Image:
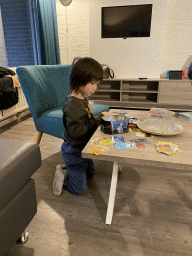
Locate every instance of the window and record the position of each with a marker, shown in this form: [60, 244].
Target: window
[18, 32]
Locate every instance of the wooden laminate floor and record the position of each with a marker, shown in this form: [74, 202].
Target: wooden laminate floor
[152, 216]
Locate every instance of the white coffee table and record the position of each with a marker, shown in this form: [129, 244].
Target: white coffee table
[180, 162]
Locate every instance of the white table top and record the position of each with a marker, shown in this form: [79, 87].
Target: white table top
[148, 156]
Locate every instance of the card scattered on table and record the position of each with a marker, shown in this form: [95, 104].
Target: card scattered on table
[103, 140]
[125, 145]
[141, 141]
[97, 150]
[118, 139]
[167, 148]
[140, 133]
[140, 146]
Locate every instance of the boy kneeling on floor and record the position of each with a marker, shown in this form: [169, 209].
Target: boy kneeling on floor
[80, 124]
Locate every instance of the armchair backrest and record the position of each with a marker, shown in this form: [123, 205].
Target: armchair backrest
[45, 86]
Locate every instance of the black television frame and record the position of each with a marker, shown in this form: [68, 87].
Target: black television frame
[128, 33]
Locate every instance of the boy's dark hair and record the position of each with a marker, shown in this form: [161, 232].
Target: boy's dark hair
[83, 71]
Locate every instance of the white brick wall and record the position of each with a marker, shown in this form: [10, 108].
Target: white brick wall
[177, 35]
[75, 18]
[177, 39]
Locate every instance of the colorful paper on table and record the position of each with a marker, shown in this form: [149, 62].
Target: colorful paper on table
[140, 133]
[160, 112]
[186, 116]
[164, 148]
[167, 148]
[97, 150]
[133, 120]
[94, 141]
[106, 142]
[140, 146]
[118, 139]
[103, 140]
[141, 141]
[133, 127]
[124, 145]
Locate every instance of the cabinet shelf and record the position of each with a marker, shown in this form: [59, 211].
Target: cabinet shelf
[146, 93]
[107, 90]
[106, 100]
[139, 91]
[139, 100]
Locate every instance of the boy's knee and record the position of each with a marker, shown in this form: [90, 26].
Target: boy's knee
[76, 190]
[80, 191]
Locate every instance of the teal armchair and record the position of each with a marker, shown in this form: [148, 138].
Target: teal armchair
[45, 88]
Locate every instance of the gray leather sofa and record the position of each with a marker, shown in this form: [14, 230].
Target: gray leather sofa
[19, 160]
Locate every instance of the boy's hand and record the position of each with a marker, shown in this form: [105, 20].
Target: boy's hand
[105, 113]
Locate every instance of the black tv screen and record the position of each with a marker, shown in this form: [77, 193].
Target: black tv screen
[126, 21]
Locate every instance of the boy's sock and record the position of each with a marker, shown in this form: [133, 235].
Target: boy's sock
[60, 175]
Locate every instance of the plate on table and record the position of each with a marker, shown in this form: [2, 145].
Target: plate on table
[143, 125]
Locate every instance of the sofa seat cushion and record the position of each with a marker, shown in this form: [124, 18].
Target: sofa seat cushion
[51, 122]
[19, 161]
[16, 216]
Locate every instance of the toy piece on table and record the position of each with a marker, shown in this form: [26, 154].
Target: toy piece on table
[167, 148]
[97, 150]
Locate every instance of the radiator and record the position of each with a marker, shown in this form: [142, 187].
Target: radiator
[15, 112]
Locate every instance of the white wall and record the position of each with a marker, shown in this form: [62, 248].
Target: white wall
[3, 55]
[131, 57]
[176, 37]
[73, 28]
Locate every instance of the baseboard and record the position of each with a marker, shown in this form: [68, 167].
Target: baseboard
[15, 117]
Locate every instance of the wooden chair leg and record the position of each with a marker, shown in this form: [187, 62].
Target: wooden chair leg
[39, 136]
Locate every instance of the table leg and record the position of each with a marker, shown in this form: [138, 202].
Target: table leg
[111, 202]
[120, 167]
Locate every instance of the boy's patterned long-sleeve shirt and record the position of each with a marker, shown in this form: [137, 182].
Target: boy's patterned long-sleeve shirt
[79, 122]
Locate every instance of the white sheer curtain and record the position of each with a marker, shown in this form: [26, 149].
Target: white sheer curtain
[3, 55]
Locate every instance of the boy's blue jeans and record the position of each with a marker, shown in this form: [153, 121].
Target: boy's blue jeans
[79, 169]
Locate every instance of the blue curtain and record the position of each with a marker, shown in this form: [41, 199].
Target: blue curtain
[45, 18]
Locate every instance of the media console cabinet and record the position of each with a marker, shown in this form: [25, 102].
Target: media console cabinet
[145, 94]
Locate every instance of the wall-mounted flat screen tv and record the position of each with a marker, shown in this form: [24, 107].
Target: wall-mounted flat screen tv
[126, 21]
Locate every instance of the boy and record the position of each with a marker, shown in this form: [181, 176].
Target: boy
[80, 124]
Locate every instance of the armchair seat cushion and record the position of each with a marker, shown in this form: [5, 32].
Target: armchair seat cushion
[51, 121]
[46, 88]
